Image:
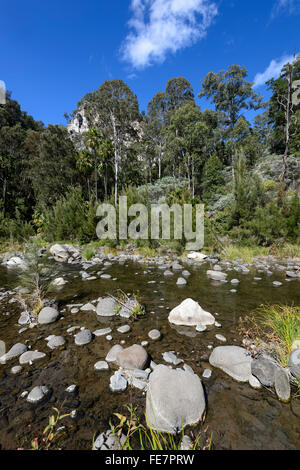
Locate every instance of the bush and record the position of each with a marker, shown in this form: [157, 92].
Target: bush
[71, 218]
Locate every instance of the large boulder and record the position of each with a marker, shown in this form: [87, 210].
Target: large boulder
[189, 313]
[134, 357]
[175, 399]
[233, 360]
[48, 315]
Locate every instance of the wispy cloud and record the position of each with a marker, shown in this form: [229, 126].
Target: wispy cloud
[272, 71]
[285, 6]
[159, 27]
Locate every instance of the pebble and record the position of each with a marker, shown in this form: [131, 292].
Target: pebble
[124, 329]
[101, 365]
[83, 337]
[154, 334]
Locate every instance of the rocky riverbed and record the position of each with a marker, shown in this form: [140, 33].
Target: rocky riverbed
[88, 357]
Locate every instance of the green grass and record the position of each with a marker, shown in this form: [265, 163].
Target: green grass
[144, 438]
[282, 323]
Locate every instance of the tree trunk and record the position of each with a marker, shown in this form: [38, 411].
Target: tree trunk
[287, 130]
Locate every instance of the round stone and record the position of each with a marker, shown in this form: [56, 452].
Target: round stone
[83, 337]
[154, 334]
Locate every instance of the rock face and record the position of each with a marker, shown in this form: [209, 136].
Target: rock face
[294, 363]
[134, 357]
[48, 315]
[175, 399]
[189, 313]
[105, 307]
[233, 360]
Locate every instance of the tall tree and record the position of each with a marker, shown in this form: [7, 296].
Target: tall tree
[284, 105]
[231, 92]
[114, 110]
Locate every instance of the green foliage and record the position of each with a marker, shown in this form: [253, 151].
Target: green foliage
[213, 177]
[71, 218]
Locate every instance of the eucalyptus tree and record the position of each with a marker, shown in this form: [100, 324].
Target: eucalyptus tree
[113, 109]
[284, 109]
[230, 92]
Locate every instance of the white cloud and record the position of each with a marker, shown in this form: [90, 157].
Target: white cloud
[287, 6]
[273, 71]
[159, 27]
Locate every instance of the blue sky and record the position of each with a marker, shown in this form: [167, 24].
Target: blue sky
[52, 53]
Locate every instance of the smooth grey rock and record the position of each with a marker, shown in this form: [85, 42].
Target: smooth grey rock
[2, 348]
[277, 283]
[56, 342]
[221, 338]
[124, 329]
[48, 315]
[264, 370]
[181, 281]
[106, 307]
[102, 332]
[216, 275]
[105, 276]
[254, 382]
[58, 282]
[168, 273]
[154, 334]
[294, 363]
[15, 351]
[88, 307]
[113, 353]
[17, 263]
[233, 360]
[37, 394]
[201, 328]
[118, 383]
[282, 385]
[207, 374]
[186, 273]
[24, 318]
[174, 399]
[234, 281]
[16, 370]
[101, 365]
[134, 357]
[83, 337]
[109, 441]
[31, 356]
[71, 389]
[189, 313]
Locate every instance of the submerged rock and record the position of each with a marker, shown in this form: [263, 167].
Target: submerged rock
[83, 337]
[118, 383]
[31, 356]
[175, 399]
[189, 313]
[216, 275]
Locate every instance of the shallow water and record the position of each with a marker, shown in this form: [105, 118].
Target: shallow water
[238, 417]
